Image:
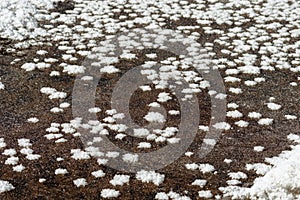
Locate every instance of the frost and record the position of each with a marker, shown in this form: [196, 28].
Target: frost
[61, 171]
[232, 105]
[42, 180]
[155, 117]
[28, 66]
[205, 168]
[226, 160]
[119, 180]
[2, 86]
[64, 105]
[150, 176]
[56, 110]
[5, 186]
[221, 96]
[141, 132]
[161, 196]
[109, 193]
[11, 160]
[9, 152]
[79, 154]
[33, 120]
[259, 168]
[234, 114]
[94, 110]
[241, 123]
[237, 175]
[273, 106]
[254, 115]
[33, 156]
[144, 145]
[18, 168]
[130, 158]
[209, 141]
[98, 174]
[192, 166]
[163, 97]
[80, 182]
[258, 148]
[189, 154]
[203, 128]
[112, 154]
[290, 117]
[205, 194]
[52, 136]
[74, 69]
[222, 126]
[265, 121]
[174, 112]
[235, 90]
[109, 69]
[200, 182]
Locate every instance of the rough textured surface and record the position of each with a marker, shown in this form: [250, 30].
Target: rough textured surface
[21, 99]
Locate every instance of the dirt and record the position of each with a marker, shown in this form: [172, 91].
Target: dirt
[22, 100]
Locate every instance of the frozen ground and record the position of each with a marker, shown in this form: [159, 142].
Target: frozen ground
[46, 45]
